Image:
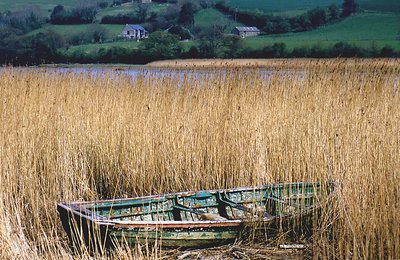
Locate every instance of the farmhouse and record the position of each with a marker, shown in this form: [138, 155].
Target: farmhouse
[134, 32]
[246, 31]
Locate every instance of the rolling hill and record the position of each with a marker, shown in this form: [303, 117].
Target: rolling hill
[277, 6]
[208, 16]
[364, 30]
[46, 5]
[282, 6]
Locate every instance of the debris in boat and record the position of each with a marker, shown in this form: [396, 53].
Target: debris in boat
[209, 216]
[293, 246]
[187, 254]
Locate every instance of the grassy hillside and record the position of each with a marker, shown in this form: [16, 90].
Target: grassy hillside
[128, 9]
[381, 5]
[93, 48]
[43, 4]
[273, 6]
[207, 17]
[48, 5]
[114, 11]
[363, 30]
[68, 30]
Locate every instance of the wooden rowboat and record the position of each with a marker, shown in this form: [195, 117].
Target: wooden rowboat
[188, 219]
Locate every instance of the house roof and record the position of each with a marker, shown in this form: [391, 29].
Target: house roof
[136, 27]
[247, 29]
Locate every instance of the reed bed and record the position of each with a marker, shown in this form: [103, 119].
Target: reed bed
[67, 136]
[276, 64]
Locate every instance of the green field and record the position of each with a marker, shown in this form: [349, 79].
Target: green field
[68, 30]
[114, 11]
[94, 48]
[210, 16]
[363, 30]
[380, 5]
[274, 6]
[124, 9]
[46, 5]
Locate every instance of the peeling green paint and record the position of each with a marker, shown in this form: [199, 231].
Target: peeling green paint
[192, 219]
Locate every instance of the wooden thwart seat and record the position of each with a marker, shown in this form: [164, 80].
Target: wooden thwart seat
[255, 211]
[222, 203]
[203, 215]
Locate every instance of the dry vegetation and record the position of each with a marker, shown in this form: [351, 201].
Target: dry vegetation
[276, 64]
[73, 137]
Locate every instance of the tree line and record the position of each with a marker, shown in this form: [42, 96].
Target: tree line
[83, 13]
[275, 24]
[46, 48]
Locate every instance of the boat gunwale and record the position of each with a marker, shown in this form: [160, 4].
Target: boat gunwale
[191, 193]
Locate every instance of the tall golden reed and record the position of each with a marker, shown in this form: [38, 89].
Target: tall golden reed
[69, 136]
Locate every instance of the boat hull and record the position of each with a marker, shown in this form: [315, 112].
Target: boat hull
[172, 237]
[103, 224]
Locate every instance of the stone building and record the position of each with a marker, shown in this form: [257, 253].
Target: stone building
[134, 32]
[246, 31]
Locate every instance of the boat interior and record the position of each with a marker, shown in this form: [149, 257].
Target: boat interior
[206, 205]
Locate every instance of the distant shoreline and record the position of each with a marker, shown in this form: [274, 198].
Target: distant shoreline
[263, 63]
[215, 63]
[91, 65]
[292, 63]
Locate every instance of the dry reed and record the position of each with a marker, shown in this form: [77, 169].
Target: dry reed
[68, 136]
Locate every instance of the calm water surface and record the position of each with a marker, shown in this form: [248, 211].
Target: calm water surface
[135, 72]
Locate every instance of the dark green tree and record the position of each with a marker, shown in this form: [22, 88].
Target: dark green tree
[333, 13]
[186, 15]
[97, 33]
[207, 48]
[210, 37]
[317, 16]
[281, 25]
[349, 7]
[78, 15]
[83, 14]
[183, 33]
[387, 51]
[44, 46]
[141, 12]
[25, 20]
[230, 47]
[58, 14]
[161, 45]
[277, 50]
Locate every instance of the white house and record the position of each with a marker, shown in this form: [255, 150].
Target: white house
[246, 31]
[134, 32]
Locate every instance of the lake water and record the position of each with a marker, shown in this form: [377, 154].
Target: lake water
[263, 75]
[260, 74]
